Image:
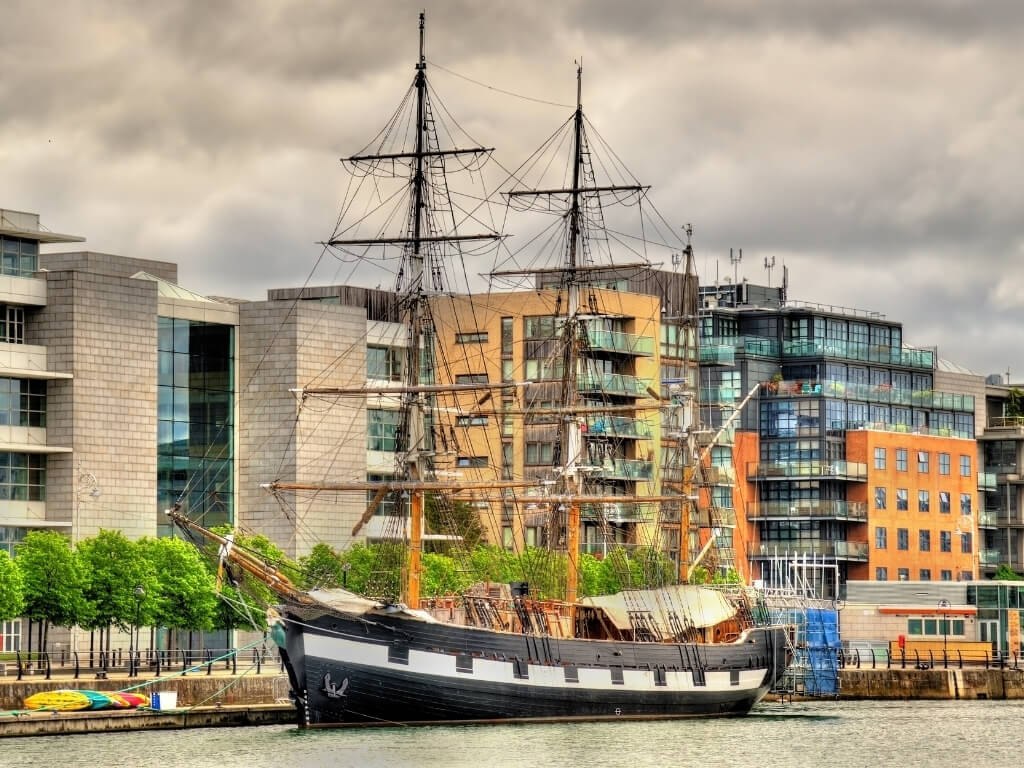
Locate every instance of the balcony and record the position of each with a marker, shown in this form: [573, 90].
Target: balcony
[601, 340]
[872, 393]
[758, 346]
[906, 357]
[835, 470]
[840, 550]
[986, 481]
[612, 384]
[717, 354]
[989, 557]
[1014, 423]
[988, 520]
[614, 426]
[719, 395]
[625, 469]
[809, 509]
[619, 512]
[719, 475]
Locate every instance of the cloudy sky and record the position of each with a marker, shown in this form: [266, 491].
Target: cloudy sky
[873, 147]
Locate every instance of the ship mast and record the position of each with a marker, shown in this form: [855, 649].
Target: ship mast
[416, 468]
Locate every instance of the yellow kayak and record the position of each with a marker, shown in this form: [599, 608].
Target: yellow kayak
[61, 701]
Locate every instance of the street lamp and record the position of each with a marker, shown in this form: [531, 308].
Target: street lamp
[139, 594]
[944, 620]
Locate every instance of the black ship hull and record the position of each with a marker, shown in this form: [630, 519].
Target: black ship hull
[396, 669]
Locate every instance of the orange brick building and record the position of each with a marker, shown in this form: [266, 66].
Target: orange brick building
[921, 495]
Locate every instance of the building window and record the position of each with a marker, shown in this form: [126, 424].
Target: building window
[965, 503]
[943, 463]
[879, 498]
[965, 466]
[10, 636]
[922, 462]
[471, 378]
[925, 574]
[902, 499]
[902, 539]
[10, 538]
[472, 462]
[945, 541]
[507, 540]
[12, 324]
[20, 256]
[506, 338]
[944, 502]
[901, 459]
[22, 476]
[915, 626]
[881, 574]
[195, 419]
[880, 537]
[945, 575]
[470, 421]
[923, 501]
[539, 453]
[507, 460]
[903, 574]
[472, 337]
[879, 458]
[924, 541]
[23, 402]
[384, 363]
[382, 428]
[965, 543]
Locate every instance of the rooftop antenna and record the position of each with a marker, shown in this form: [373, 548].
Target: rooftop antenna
[769, 262]
[735, 261]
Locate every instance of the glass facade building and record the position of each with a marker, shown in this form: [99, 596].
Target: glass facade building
[195, 412]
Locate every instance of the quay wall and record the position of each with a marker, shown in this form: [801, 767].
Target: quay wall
[191, 689]
[931, 683]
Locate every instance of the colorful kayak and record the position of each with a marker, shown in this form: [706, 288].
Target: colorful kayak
[133, 699]
[60, 701]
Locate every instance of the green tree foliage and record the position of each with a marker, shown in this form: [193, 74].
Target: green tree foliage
[247, 595]
[1006, 573]
[12, 601]
[52, 579]
[321, 568]
[441, 576]
[183, 596]
[1015, 403]
[114, 567]
[453, 518]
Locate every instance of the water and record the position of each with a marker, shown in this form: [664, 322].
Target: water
[829, 734]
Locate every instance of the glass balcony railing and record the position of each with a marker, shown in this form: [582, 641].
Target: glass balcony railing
[1005, 422]
[615, 426]
[848, 350]
[625, 469]
[719, 475]
[986, 481]
[719, 394]
[619, 512]
[612, 384]
[989, 557]
[841, 550]
[809, 508]
[840, 470]
[988, 519]
[872, 393]
[749, 345]
[625, 343]
[882, 426]
[720, 354]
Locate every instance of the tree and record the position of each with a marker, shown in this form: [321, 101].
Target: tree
[12, 601]
[114, 566]
[52, 581]
[441, 576]
[321, 568]
[1006, 573]
[184, 597]
[453, 518]
[1015, 403]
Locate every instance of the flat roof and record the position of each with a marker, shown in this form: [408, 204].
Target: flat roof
[40, 235]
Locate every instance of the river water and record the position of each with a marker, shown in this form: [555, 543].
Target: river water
[829, 734]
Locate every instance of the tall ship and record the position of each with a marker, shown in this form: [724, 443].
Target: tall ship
[655, 646]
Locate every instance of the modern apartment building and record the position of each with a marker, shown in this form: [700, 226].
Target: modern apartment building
[1002, 450]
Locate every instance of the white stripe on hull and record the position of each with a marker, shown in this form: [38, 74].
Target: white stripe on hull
[540, 676]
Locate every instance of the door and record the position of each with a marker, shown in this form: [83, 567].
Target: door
[988, 631]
